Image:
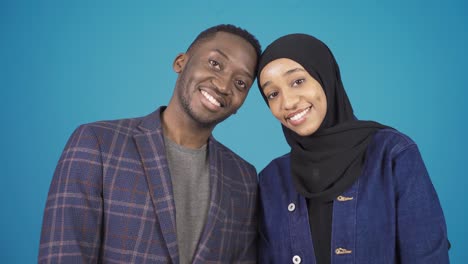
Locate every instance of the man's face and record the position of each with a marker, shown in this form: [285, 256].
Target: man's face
[215, 77]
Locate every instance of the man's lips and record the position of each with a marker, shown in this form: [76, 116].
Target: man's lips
[213, 98]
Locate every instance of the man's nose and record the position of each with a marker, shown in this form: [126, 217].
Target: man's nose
[223, 83]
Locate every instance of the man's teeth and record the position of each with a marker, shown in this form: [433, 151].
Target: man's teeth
[210, 98]
[299, 115]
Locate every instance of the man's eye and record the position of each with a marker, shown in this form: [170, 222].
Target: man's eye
[215, 64]
[272, 95]
[241, 84]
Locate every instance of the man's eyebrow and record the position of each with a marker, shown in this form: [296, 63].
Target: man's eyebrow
[227, 58]
[222, 53]
[284, 74]
[248, 74]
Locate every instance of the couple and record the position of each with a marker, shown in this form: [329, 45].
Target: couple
[161, 189]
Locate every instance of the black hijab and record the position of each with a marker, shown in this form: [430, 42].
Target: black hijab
[326, 163]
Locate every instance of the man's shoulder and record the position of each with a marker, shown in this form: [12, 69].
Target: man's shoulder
[104, 134]
[229, 155]
[124, 127]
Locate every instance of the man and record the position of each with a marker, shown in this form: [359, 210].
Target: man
[160, 188]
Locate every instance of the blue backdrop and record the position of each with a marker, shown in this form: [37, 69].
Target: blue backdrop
[64, 63]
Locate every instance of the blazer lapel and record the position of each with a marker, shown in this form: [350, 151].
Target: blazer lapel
[150, 144]
[220, 202]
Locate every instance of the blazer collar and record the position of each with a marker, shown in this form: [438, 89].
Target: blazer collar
[151, 123]
[220, 205]
[149, 140]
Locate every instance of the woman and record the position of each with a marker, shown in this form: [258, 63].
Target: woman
[349, 191]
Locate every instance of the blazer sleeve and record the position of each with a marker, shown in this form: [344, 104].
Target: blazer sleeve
[264, 250]
[249, 252]
[421, 228]
[71, 229]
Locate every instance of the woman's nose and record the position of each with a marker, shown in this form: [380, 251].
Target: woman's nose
[290, 100]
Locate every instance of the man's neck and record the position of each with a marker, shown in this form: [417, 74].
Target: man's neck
[182, 130]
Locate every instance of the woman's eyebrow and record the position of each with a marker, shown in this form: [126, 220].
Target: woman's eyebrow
[264, 85]
[292, 71]
[284, 74]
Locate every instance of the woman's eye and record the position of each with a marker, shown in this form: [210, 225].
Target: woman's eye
[215, 64]
[298, 82]
[272, 95]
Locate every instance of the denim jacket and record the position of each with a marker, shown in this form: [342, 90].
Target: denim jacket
[391, 214]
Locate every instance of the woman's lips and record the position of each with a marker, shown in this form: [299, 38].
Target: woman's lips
[298, 117]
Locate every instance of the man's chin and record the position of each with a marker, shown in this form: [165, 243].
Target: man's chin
[209, 122]
[205, 119]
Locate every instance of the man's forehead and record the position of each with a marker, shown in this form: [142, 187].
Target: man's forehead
[230, 46]
[224, 39]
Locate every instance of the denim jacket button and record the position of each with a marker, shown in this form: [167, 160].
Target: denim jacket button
[344, 198]
[296, 259]
[291, 207]
[342, 251]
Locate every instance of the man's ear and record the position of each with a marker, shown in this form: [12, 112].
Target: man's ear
[179, 62]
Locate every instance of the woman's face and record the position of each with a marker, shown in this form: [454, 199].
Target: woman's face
[295, 98]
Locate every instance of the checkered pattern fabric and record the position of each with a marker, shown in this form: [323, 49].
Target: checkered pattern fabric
[111, 200]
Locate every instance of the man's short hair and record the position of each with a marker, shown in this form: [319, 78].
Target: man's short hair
[210, 32]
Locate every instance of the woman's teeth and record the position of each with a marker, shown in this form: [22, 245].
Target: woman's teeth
[300, 114]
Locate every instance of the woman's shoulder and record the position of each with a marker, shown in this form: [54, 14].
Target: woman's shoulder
[391, 140]
[393, 133]
[278, 161]
[393, 136]
[276, 167]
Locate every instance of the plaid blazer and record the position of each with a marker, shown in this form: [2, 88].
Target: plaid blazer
[111, 200]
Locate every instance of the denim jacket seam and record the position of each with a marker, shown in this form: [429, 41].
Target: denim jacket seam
[401, 150]
[358, 183]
